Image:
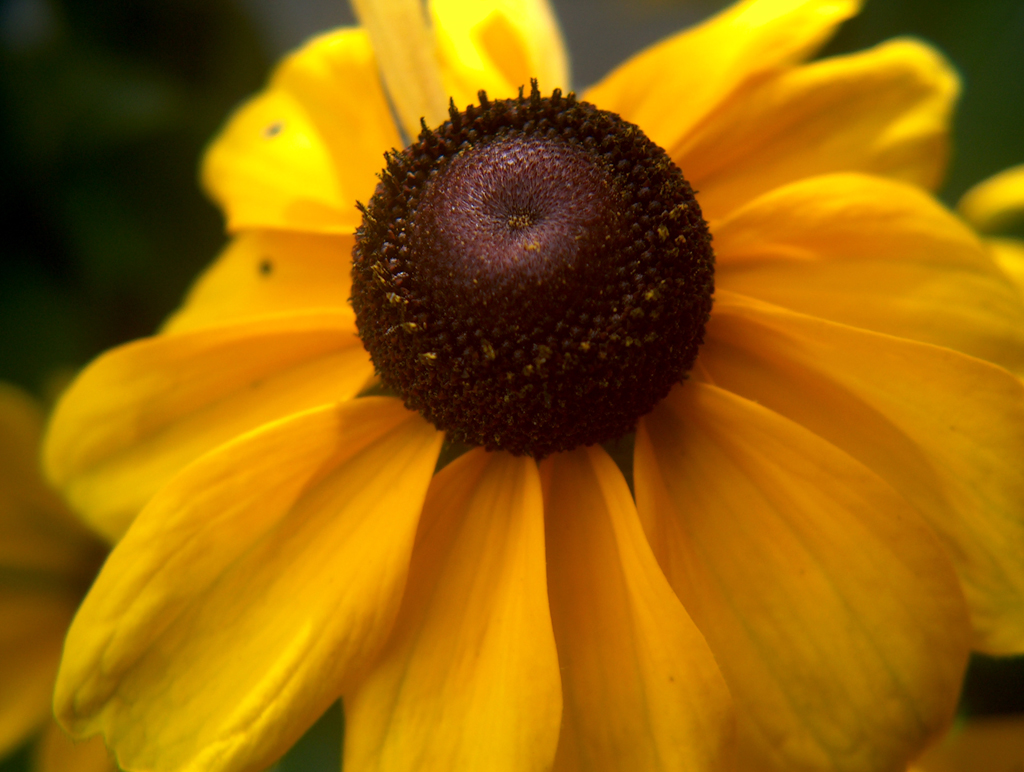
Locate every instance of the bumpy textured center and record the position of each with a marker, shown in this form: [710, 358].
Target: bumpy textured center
[533, 275]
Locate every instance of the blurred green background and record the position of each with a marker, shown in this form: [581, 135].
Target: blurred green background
[106, 105]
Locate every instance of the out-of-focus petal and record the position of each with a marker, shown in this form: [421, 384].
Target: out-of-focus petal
[269, 272]
[56, 752]
[247, 592]
[883, 111]
[994, 203]
[944, 429]
[988, 743]
[641, 690]
[877, 254]
[38, 536]
[498, 46]
[469, 679]
[300, 154]
[141, 412]
[31, 634]
[671, 87]
[833, 611]
[1009, 255]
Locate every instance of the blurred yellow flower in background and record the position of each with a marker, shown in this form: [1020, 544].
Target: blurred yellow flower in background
[47, 560]
[827, 516]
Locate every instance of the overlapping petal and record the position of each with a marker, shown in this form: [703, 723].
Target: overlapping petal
[883, 111]
[1009, 255]
[141, 412]
[300, 154]
[641, 690]
[945, 430]
[834, 612]
[249, 590]
[264, 272]
[498, 46]
[997, 202]
[877, 254]
[671, 87]
[469, 679]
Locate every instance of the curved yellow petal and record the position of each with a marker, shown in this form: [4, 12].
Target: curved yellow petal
[247, 592]
[269, 272]
[883, 111]
[995, 203]
[832, 609]
[31, 635]
[469, 679]
[142, 411]
[56, 752]
[301, 153]
[641, 690]
[943, 429]
[498, 46]
[877, 254]
[39, 538]
[1009, 256]
[669, 88]
[989, 743]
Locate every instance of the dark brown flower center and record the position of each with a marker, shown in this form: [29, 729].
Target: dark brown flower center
[532, 276]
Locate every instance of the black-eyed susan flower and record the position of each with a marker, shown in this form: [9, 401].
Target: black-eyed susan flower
[47, 560]
[827, 513]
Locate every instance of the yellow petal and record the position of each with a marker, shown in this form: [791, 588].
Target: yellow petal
[832, 609]
[989, 743]
[498, 46]
[269, 272]
[39, 539]
[141, 412]
[877, 254]
[247, 592]
[945, 430]
[669, 89]
[1009, 256]
[56, 752]
[640, 687]
[469, 679]
[408, 59]
[883, 111]
[31, 635]
[996, 202]
[300, 154]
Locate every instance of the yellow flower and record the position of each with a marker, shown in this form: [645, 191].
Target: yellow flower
[46, 563]
[827, 515]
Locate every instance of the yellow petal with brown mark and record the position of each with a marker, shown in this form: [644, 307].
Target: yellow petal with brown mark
[264, 272]
[302, 152]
